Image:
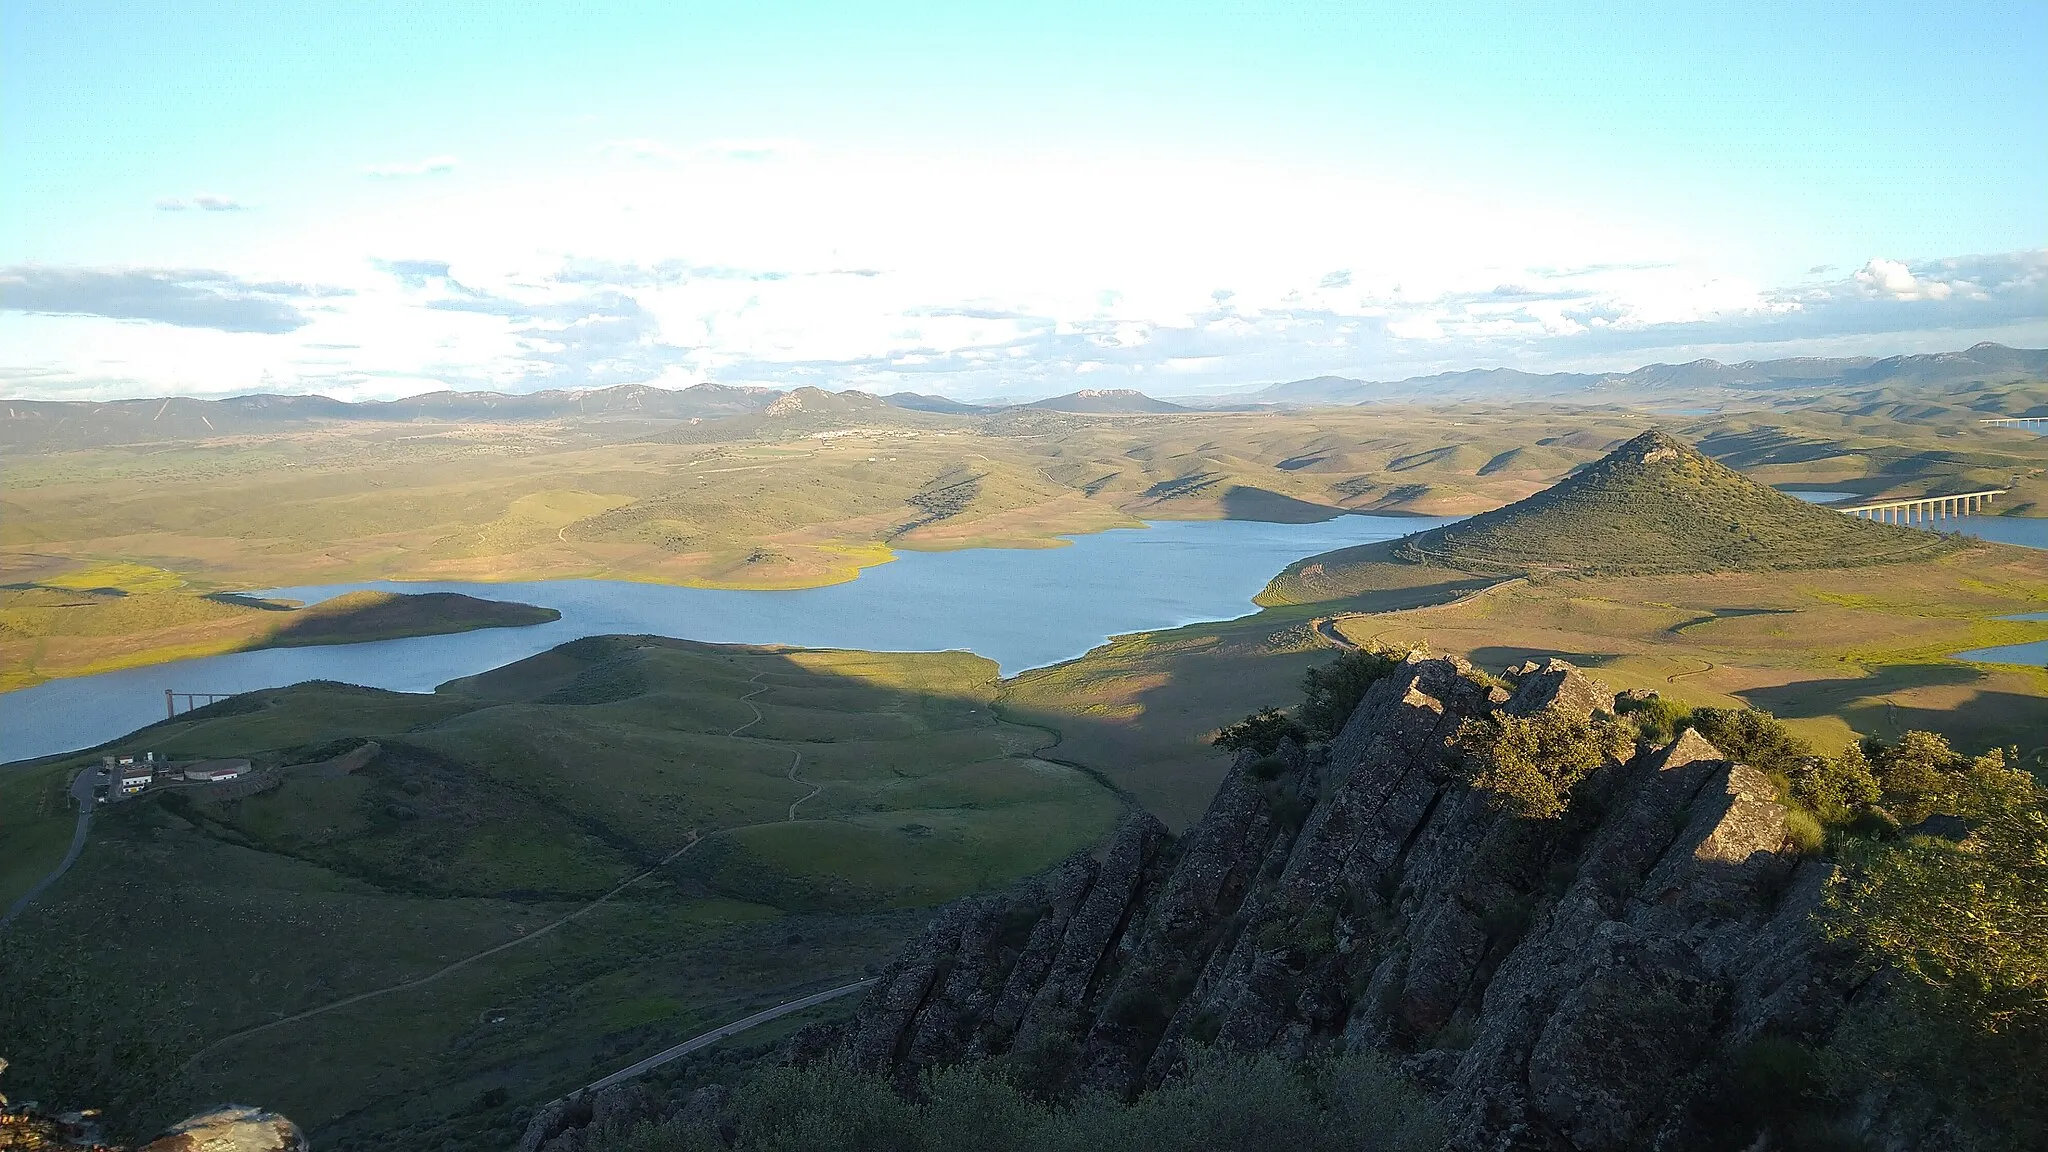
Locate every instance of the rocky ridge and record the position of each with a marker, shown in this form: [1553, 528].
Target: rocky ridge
[1567, 984]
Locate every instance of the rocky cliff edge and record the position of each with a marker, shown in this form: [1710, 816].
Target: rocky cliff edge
[1570, 984]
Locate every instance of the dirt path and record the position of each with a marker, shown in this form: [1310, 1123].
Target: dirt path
[1705, 667]
[796, 758]
[695, 839]
[1326, 626]
[796, 761]
[748, 700]
[465, 962]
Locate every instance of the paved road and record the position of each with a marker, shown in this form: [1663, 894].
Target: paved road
[81, 791]
[724, 1030]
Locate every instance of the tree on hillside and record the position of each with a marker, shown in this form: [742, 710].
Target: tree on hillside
[1967, 919]
[1754, 737]
[1261, 732]
[1965, 923]
[1528, 765]
[1330, 694]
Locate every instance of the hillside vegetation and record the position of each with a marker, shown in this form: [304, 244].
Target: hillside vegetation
[1658, 505]
[786, 811]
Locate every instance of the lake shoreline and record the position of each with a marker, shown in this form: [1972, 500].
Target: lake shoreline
[1021, 608]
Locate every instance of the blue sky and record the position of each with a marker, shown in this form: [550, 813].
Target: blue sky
[366, 199]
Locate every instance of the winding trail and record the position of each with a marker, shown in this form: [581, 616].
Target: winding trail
[796, 761]
[1706, 666]
[796, 758]
[748, 700]
[465, 962]
[81, 791]
[85, 814]
[1326, 627]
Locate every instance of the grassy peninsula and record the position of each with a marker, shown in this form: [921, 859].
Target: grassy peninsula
[104, 617]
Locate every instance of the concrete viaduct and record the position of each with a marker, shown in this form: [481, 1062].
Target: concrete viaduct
[2040, 422]
[1923, 510]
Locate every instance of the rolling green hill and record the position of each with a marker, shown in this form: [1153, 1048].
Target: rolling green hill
[786, 813]
[1657, 505]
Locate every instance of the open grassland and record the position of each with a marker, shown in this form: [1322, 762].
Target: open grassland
[806, 804]
[808, 495]
[1836, 653]
[77, 621]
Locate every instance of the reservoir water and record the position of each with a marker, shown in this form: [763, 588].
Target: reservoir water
[1022, 608]
[2035, 653]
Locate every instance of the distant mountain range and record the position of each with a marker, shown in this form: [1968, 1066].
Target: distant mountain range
[77, 423]
[1118, 401]
[1989, 363]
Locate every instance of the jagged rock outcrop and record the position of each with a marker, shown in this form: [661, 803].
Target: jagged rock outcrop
[1570, 984]
[233, 1128]
[586, 1120]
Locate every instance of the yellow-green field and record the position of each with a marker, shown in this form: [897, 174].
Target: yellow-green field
[1835, 653]
[808, 498]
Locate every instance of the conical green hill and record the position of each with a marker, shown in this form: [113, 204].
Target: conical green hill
[1656, 505]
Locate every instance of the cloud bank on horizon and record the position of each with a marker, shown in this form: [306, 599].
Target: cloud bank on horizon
[588, 223]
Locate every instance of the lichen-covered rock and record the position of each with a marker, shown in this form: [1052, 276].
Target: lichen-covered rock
[1568, 983]
[231, 1128]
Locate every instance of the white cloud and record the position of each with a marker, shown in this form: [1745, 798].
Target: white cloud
[1888, 277]
[430, 166]
[968, 274]
[205, 202]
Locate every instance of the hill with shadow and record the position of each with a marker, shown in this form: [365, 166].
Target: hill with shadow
[1657, 505]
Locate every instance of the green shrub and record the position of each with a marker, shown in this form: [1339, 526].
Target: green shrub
[1657, 719]
[1268, 767]
[1753, 737]
[1260, 732]
[822, 1108]
[1806, 831]
[1528, 765]
[1964, 920]
[1922, 775]
[1839, 789]
[1330, 694]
